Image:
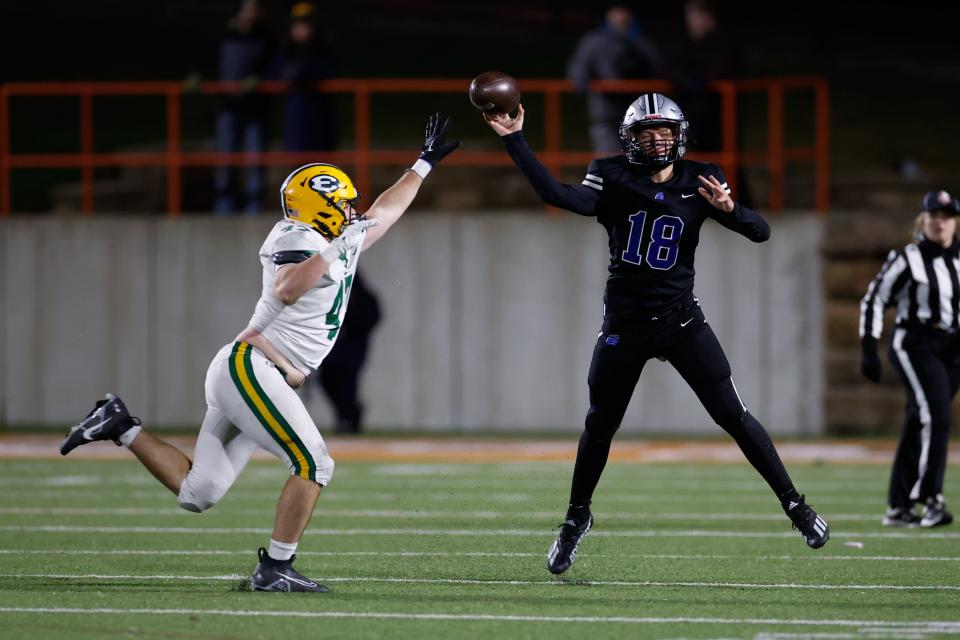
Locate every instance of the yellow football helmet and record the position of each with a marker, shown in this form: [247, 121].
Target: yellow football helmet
[316, 194]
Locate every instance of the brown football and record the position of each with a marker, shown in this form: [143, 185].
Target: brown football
[494, 92]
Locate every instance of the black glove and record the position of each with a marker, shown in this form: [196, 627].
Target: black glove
[434, 148]
[869, 360]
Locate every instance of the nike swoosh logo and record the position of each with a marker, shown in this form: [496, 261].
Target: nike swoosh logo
[683, 324]
[687, 195]
[305, 583]
[90, 432]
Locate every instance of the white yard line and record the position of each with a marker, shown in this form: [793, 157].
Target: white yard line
[462, 581]
[928, 626]
[472, 554]
[415, 514]
[917, 534]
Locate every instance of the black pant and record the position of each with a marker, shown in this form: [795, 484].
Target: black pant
[928, 362]
[684, 339]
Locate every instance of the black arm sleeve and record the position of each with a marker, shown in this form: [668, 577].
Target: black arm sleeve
[744, 221]
[290, 257]
[575, 198]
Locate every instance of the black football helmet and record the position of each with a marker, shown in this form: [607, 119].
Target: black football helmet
[654, 110]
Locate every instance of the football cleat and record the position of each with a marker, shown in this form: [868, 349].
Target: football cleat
[812, 527]
[564, 549]
[279, 575]
[900, 517]
[108, 421]
[935, 513]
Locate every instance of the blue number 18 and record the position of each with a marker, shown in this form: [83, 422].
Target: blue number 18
[663, 249]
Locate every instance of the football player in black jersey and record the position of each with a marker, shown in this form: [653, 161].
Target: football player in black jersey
[652, 205]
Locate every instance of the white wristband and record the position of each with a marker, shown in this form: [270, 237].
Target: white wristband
[421, 167]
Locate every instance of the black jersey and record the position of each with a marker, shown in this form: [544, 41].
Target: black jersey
[653, 228]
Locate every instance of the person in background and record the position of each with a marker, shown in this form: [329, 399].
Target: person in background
[707, 53]
[921, 281]
[340, 372]
[246, 48]
[304, 59]
[617, 50]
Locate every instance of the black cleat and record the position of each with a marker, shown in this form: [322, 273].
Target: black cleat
[900, 517]
[564, 549]
[279, 575]
[108, 421]
[812, 527]
[935, 513]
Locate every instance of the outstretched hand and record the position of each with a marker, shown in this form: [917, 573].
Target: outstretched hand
[435, 147]
[716, 194]
[503, 123]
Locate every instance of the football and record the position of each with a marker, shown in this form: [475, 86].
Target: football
[494, 92]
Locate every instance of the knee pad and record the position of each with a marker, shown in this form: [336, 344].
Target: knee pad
[600, 424]
[724, 405]
[197, 494]
[319, 467]
[325, 467]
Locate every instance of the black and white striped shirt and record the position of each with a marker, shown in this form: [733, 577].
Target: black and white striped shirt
[921, 281]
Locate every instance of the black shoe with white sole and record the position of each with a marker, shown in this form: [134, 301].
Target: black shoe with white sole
[564, 549]
[812, 527]
[108, 421]
[935, 513]
[279, 575]
[900, 517]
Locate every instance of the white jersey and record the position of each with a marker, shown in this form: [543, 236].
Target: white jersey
[304, 331]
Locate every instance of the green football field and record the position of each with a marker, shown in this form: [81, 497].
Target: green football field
[97, 549]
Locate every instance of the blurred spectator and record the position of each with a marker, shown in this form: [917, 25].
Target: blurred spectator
[245, 51]
[340, 371]
[707, 53]
[303, 59]
[617, 50]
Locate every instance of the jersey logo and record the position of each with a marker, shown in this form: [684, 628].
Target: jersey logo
[613, 340]
[659, 196]
[324, 183]
[687, 195]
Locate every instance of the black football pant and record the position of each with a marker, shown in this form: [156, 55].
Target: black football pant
[929, 366]
[685, 340]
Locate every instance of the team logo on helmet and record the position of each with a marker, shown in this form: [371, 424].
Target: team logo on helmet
[324, 183]
[944, 198]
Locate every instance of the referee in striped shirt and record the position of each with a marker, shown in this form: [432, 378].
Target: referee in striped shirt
[921, 281]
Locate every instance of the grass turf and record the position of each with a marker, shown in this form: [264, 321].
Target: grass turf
[458, 550]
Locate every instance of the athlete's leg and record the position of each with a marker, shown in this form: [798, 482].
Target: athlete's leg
[267, 411]
[698, 357]
[614, 371]
[221, 454]
[168, 464]
[294, 508]
[700, 360]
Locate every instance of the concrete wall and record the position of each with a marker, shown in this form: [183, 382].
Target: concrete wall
[490, 320]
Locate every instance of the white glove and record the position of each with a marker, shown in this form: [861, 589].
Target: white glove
[347, 240]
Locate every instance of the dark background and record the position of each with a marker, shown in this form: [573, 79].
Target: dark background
[894, 70]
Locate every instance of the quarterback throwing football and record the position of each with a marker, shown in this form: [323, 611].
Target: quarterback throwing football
[309, 260]
[652, 205]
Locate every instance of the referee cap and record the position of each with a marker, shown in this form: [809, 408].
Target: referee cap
[940, 201]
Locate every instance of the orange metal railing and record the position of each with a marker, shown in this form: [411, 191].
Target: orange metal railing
[363, 156]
